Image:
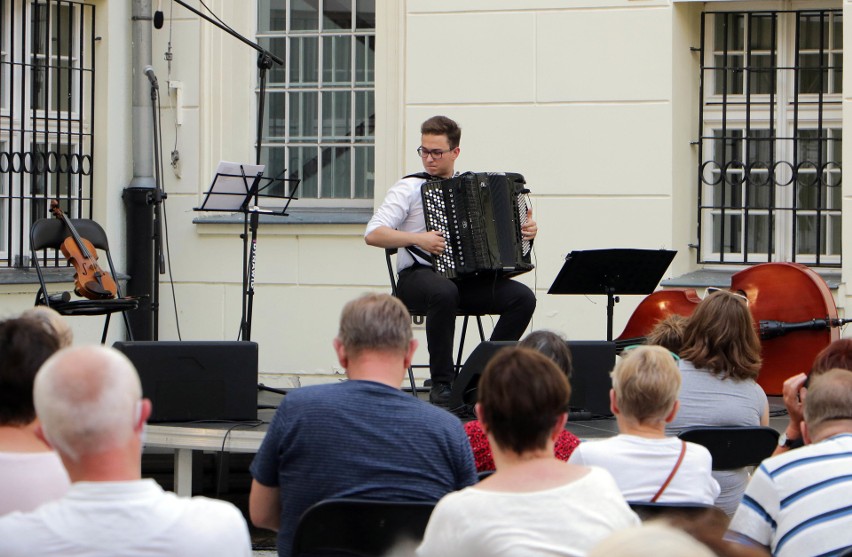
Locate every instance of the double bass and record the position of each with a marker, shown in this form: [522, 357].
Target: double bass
[792, 308]
[90, 281]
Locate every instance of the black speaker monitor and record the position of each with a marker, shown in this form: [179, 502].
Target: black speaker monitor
[590, 383]
[196, 380]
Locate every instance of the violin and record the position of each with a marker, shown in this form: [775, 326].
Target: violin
[90, 281]
[792, 308]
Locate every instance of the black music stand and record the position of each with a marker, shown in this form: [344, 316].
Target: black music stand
[230, 191]
[611, 272]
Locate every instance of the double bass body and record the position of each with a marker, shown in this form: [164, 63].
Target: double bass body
[778, 294]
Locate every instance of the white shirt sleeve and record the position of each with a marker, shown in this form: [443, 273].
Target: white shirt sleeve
[394, 210]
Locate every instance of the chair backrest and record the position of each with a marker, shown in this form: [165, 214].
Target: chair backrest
[360, 527]
[690, 511]
[391, 267]
[50, 233]
[734, 447]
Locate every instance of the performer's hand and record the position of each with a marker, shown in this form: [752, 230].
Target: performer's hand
[432, 241]
[530, 228]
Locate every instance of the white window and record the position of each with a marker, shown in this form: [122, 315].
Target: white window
[46, 102]
[770, 151]
[320, 108]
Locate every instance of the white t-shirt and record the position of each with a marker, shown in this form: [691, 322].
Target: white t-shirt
[29, 479]
[640, 466]
[564, 521]
[131, 519]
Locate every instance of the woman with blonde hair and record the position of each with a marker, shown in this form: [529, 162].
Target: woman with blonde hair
[719, 365]
[647, 465]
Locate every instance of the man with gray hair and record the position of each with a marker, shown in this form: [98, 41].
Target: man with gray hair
[798, 503]
[91, 411]
[360, 438]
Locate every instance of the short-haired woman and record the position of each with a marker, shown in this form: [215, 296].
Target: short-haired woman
[533, 503]
[556, 348]
[647, 465]
[30, 472]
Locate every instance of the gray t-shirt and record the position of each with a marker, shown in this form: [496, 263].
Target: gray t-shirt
[708, 400]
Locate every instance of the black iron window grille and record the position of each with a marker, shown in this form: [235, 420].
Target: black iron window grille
[47, 76]
[320, 118]
[770, 117]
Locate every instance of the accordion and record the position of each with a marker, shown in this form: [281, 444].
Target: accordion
[481, 215]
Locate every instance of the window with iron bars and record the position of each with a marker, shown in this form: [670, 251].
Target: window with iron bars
[771, 134]
[319, 123]
[47, 78]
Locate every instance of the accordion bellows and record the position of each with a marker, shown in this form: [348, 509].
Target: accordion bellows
[481, 215]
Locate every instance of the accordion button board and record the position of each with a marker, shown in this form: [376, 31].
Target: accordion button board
[480, 216]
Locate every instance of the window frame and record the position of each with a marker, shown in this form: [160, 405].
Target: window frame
[290, 92]
[783, 112]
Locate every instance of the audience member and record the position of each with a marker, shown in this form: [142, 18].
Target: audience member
[655, 538]
[89, 404]
[647, 465]
[360, 438]
[533, 503]
[556, 348]
[721, 359]
[54, 322]
[668, 333]
[838, 355]
[798, 503]
[30, 472]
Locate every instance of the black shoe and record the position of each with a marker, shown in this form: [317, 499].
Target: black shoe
[439, 394]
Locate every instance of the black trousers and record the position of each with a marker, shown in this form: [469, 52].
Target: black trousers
[424, 291]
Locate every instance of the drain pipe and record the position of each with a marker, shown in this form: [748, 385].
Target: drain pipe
[139, 195]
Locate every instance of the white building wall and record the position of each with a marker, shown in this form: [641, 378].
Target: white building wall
[594, 101]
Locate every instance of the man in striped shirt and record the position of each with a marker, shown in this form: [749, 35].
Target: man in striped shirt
[798, 502]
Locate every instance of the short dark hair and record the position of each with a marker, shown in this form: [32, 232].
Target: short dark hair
[553, 346]
[441, 125]
[25, 344]
[521, 395]
[838, 354]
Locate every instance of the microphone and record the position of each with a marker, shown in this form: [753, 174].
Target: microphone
[149, 71]
[158, 16]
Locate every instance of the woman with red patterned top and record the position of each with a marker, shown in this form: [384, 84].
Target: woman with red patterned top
[556, 348]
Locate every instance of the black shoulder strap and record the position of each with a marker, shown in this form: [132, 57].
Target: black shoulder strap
[422, 175]
[415, 251]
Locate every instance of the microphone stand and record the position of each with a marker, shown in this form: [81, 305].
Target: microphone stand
[265, 61]
[157, 200]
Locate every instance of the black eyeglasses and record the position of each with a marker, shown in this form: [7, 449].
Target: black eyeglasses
[436, 153]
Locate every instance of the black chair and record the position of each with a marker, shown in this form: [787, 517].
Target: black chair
[734, 447]
[49, 234]
[418, 314]
[688, 511]
[359, 527]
